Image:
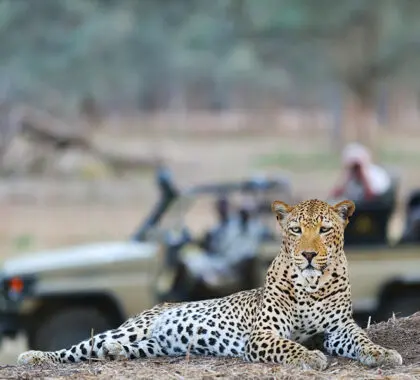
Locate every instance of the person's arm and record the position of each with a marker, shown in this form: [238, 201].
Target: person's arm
[339, 189]
[368, 191]
[337, 192]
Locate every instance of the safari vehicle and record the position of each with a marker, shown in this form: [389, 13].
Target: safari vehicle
[170, 258]
[57, 297]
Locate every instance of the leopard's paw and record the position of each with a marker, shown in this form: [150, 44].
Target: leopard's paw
[379, 356]
[314, 360]
[114, 350]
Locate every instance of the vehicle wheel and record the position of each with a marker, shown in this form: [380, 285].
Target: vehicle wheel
[65, 327]
[401, 307]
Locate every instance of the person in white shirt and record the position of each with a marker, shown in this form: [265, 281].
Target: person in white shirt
[362, 179]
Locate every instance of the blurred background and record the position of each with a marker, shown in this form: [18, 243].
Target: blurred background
[96, 95]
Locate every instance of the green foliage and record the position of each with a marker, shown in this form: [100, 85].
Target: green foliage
[321, 161]
[126, 52]
[23, 242]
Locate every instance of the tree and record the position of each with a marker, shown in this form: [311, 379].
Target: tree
[359, 44]
[156, 54]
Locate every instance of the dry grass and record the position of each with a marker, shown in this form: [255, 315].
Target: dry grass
[402, 334]
[206, 369]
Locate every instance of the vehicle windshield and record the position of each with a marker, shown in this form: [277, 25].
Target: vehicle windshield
[196, 212]
[174, 217]
[199, 213]
[205, 208]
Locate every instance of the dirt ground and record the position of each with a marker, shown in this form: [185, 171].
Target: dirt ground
[401, 334]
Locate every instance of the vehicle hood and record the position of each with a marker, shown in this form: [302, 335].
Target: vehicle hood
[79, 256]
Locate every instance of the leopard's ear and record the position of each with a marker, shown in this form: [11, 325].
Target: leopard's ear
[345, 210]
[281, 210]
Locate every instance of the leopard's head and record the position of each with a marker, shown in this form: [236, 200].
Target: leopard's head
[313, 233]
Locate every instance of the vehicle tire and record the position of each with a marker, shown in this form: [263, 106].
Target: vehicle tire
[65, 327]
[401, 307]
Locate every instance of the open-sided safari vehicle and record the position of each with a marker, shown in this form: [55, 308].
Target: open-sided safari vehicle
[98, 286]
[183, 251]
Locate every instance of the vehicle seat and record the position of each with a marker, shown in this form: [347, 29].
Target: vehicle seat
[412, 221]
[369, 223]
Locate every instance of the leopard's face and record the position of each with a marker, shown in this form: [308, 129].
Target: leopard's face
[313, 233]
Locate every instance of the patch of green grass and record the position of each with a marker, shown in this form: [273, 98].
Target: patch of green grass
[300, 161]
[399, 157]
[23, 242]
[326, 161]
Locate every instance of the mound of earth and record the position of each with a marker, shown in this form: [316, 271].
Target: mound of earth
[402, 334]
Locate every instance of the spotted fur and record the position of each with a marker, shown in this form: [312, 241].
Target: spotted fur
[306, 292]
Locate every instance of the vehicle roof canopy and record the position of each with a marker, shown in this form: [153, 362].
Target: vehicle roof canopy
[246, 186]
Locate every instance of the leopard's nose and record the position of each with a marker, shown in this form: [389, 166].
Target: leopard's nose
[309, 255]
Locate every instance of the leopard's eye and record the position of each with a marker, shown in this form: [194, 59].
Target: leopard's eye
[323, 230]
[296, 230]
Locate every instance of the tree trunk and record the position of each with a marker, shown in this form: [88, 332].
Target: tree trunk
[360, 121]
[355, 56]
[366, 122]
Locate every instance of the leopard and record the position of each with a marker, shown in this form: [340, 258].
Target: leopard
[306, 292]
